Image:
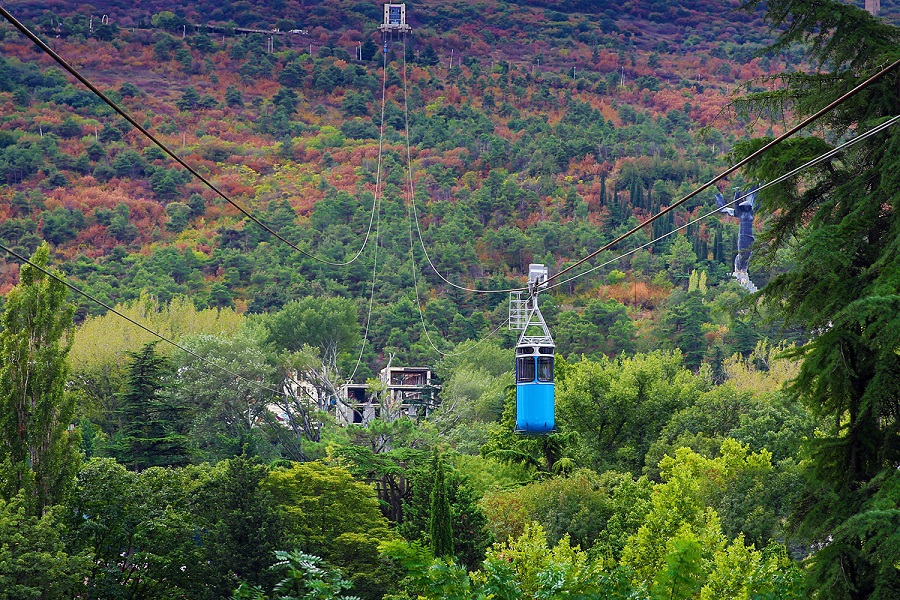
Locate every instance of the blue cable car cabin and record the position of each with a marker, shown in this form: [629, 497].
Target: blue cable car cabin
[535, 389]
[535, 411]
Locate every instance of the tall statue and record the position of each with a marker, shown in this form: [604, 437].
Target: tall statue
[744, 211]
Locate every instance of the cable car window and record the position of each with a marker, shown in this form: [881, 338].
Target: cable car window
[524, 350]
[545, 350]
[525, 369]
[545, 368]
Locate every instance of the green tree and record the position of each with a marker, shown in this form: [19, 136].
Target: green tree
[356, 105]
[370, 50]
[682, 326]
[428, 57]
[682, 576]
[384, 453]
[168, 20]
[327, 324]
[238, 526]
[432, 578]
[286, 98]
[439, 525]
[120, 225]
[59, 225]
[316, 335]
[179, 215]
[129, 90]
[470, 537]
[680, 260]
[473, 390]
[603, 328]
[152, 433]
[327, 511]
[138, 530]
[306, 576]
[12, 230]
[841, 222]
[189, 98]
[618, 406]
[164, 183]
[524, 567]
[99, 351]
[755, 501]
[233, 97]
[130, 164]
[33, 559]
[224, 420]
[38, 449]
[539, 571]
[593, 510]
[679, 548]
[203, 43]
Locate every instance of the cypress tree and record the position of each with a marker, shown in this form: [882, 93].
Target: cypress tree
[441, 525]
[571, 202]
[717, 246]
[603, 188]
[38, 452]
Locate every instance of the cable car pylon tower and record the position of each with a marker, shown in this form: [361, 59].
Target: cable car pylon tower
[535, 413]
[394, 21]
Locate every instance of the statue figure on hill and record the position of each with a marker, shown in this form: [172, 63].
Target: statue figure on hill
[744, 211]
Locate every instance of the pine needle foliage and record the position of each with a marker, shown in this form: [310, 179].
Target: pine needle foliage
[152, 435]
[841, 222]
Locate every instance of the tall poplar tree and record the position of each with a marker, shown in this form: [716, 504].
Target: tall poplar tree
[38, 453]
[840, 222]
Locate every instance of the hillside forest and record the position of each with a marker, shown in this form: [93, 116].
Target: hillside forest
[175, 336]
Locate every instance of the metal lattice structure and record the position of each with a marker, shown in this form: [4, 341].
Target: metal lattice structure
[518, 311]
[524, 314]
[535, 332]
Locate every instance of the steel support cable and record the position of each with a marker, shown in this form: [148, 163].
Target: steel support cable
[75, 73]
[412, 259]
[416, 212]
[365, 339]
[440, 275]
[410, 210]
[831, 153]
[412, 245]
[735, 167]
[109, 308]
